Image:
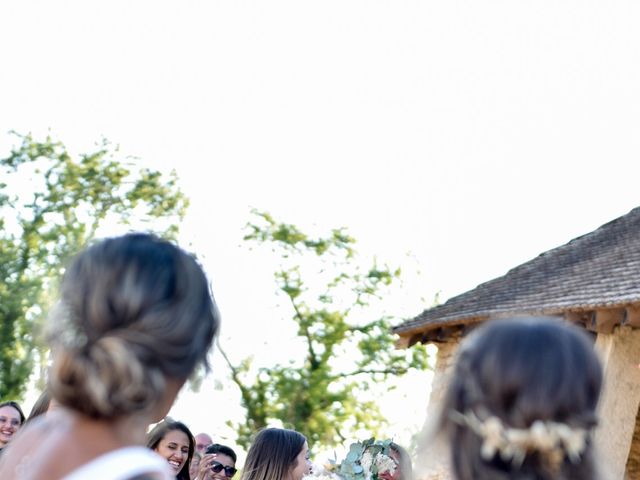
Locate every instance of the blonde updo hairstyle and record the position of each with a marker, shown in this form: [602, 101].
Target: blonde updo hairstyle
[135, 311]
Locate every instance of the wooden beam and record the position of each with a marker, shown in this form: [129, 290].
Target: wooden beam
[402, 342]
[577, 318]
[633, 316]
[606, 320]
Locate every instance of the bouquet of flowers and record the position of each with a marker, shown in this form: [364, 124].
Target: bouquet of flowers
[364, 461]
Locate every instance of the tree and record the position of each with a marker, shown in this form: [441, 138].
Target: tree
[347, 349]
[51, 205]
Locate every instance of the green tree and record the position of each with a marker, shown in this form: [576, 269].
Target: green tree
[348, 344]
[51, 205]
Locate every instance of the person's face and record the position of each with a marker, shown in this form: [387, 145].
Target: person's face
[9, 424]
[216, 460]
[174, 446]
[202, 442]
[397, 473]
[194, 467]
[303, 464]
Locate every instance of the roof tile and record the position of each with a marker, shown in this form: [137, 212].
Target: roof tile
[601, 268]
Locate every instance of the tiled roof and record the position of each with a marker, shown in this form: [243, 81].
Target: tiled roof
[599, 269]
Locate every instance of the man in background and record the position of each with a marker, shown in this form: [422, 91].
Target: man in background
[202, 442]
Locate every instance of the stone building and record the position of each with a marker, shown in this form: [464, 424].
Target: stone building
[592, 281]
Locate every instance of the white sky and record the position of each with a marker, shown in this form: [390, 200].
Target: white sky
[457, 138]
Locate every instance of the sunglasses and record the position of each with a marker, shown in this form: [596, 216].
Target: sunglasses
[217, 467]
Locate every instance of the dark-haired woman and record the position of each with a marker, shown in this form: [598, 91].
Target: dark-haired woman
[277, 454]
[136, 317]
[173, 441]
[522, 402]
[11, 419]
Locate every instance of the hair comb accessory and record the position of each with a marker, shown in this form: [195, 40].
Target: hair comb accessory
[552, 439]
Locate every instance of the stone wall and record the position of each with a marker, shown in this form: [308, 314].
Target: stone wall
[432, 458]
[618, 407]
[633, 462]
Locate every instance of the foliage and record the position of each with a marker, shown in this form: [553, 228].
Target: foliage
[348, 347]
[51, 205]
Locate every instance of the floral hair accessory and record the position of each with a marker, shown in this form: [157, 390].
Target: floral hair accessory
[366, 460]
[552, 439]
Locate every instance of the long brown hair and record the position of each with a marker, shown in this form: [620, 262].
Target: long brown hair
[519, 371]
[272, 454]
[40, 407]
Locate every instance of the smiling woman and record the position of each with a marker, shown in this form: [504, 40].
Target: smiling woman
[11, 419]
[174, 441]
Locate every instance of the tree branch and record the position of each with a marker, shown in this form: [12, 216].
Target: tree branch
[313, 359]
[386, 371]
[235, 376]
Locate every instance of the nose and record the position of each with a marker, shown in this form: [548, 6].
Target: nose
[179, 455]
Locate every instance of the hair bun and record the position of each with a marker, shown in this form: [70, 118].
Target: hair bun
[105, 379]
[135, 311]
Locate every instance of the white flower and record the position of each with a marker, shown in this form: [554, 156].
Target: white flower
[321, 476]
[385, 463]
[318, 472]
[365, 462]
[491, 431]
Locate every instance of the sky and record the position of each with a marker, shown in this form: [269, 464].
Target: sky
[456, 139]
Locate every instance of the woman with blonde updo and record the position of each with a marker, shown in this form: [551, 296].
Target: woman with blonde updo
[136, 317]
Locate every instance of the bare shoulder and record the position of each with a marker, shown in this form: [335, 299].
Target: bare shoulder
[19, 459]
[48, 447]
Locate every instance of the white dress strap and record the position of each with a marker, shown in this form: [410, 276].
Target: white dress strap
[123, 464]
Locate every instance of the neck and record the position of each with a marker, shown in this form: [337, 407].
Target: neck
[120, 432]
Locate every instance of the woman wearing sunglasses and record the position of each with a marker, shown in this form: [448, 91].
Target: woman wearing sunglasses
[173, 441]
[218, 463]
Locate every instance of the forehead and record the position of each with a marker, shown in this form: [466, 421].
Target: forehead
[204, 439]
[10, 412]
[225, 460]
[176, 436]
